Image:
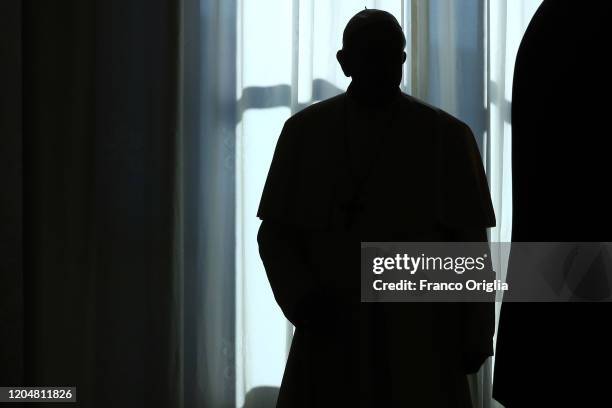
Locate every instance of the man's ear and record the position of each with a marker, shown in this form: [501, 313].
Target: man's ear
[342, 60]
[403, 57]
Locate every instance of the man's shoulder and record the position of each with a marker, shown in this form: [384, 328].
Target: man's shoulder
[439, 116]
[318, 111]
[324, 111]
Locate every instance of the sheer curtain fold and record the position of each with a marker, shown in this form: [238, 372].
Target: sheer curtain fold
[207, 258]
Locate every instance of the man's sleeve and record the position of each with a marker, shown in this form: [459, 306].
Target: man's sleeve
[283, 241]
[464, 200]
[284, 253]
[465, 208]
[479, 317]
[279, 190]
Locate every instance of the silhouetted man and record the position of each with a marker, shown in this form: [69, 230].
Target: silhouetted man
[372, 164]
[558, 354]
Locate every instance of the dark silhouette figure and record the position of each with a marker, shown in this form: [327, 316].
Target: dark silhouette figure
[553, 354]
[372, 164]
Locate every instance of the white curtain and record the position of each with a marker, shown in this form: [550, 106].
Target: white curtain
[507, 22]
[460, 58]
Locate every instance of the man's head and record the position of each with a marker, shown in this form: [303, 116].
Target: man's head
[373, 50]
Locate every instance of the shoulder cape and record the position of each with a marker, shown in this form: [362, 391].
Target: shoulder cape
[302, 178]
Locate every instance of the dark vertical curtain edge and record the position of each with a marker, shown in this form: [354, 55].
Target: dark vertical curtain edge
[11, 272]
[82, 153]
[208, 122]
[178, 215]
